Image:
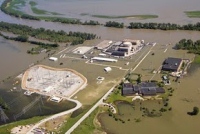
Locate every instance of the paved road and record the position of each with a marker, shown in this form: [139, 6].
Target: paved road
[89, 112]
[78, 105]
[101, 100]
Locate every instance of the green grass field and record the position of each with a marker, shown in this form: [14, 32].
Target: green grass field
[88, 125]
[193, 14]
[197, 59]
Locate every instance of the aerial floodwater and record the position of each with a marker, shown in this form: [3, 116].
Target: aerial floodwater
[101, 10]
[14, 59]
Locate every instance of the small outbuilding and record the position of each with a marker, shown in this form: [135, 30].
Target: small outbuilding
[53, 58]
[108, 69]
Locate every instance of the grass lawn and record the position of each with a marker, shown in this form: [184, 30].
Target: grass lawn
[197, 59]
[71, 121]
[116, 95]
[193, 14]
[87, 126]
[5, 129]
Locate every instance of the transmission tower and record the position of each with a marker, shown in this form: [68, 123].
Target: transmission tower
[4, 117]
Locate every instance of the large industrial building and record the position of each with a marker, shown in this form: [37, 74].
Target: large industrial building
[144, 89]
[172, 64]
[123, 48]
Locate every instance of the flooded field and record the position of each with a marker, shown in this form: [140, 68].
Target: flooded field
[186, 94]
[185, 97]
[23, 107]
[91, 9]
[14, 58]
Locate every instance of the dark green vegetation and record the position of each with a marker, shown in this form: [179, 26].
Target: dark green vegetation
[5, 129]
[197, 59]
[191, 46]
[8, 8]
[40, 33]
[125, 16]
[194, 112]
[114, 24]
[164, 26]
[3, 105]
[193, 14]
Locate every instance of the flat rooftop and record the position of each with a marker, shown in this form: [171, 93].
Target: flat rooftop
[104, 44]
[171, 64]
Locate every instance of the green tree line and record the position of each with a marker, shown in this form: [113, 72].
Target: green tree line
[114, 24]
[191, 46]
[164, 26]
[50, 35]
[20, 14]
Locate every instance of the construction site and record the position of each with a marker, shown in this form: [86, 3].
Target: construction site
[57, 83]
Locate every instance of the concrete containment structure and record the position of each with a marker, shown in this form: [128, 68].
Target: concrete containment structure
[124, 48]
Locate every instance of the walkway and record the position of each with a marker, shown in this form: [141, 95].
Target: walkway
[78, 105]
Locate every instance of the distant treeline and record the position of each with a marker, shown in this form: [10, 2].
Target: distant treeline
[191, 46]
[133, 25]
[114, 24]
[19, 14]
[164, 26]
[50, 35]
[69, 21]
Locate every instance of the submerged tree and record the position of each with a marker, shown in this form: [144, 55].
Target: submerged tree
[194, 112]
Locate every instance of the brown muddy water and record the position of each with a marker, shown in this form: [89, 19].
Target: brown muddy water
[185, 97]
[177, 121]
[168, 11]
[14, 60]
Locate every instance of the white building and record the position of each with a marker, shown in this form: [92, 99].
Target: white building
[108, 69]
[104, 59]
[53, 58]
